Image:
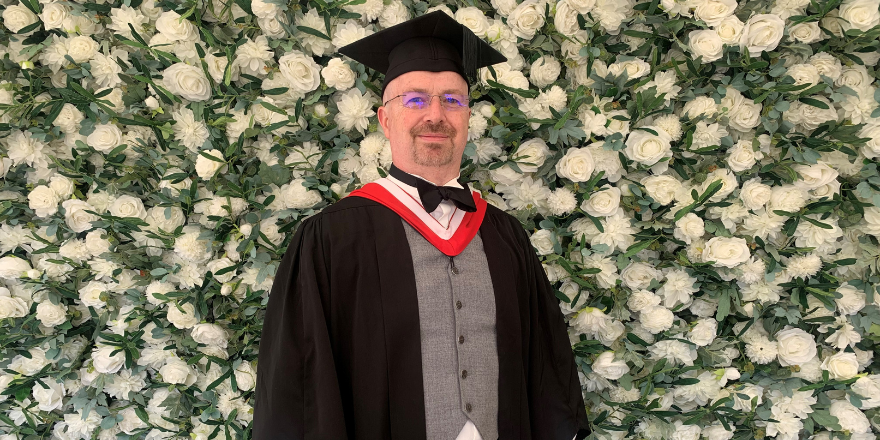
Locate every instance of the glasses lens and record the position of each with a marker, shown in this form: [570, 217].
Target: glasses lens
[454, 101]
[421, 100]
[415, 100]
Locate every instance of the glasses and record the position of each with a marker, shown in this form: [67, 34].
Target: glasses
[421, 100]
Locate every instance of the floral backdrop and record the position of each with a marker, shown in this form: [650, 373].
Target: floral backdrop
[699, 178]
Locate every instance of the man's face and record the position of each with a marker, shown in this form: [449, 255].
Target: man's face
[434, 137]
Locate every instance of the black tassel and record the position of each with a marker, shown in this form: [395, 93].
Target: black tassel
[470, 54]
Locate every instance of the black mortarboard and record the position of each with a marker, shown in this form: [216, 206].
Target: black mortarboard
[433, 42]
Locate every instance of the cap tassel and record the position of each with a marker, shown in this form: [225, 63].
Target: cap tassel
[470, 54]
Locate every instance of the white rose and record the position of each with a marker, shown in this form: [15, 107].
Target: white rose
[128, 206]
[90, 294]
[806, 33]
[182, 319]
[656, 319]
[608, 368]
[51, 398]
[789, 198]
[157, 218]
[730, 30]
[82, 48]
[639, 275]
[742, 156]
[12, 268]
[18, 17]
[173, 28]
[63, 186]
[526, 19]
[841, 365]
[105, 137]
[544, 71]
[703, 333]
[855, 77]
[869, 388]
[206, 167]
[707, 44]
[300, 70]
[187, 81]
[815, 176]
[338, 75]
[795, 347]
[714, 11]
[755, 194]
[726, 251]
[602, 203]
[542, 242]
[53, 15]
[662, 188]
[576, 165]
[531, 155]
[105, 362]
[689, 228]
[647, 148]
[51, 314]
[851, 301]
[634, 68]
[12, 306]
[762, 33]
[264, 9]
[177, 371]
[245, 376]
[43, 200]
[474, 19]
[859, 14]
[850, 418]
[210, 334]
[222, 263]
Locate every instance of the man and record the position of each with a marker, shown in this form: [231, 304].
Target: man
[410, 311]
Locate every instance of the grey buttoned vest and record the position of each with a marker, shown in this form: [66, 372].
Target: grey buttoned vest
[457, 323]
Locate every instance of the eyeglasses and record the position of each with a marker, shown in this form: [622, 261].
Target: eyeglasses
[421, 101]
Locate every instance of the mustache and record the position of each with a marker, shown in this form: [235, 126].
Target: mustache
[433, 128]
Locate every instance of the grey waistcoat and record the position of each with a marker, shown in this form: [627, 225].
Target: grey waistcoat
[457, 323]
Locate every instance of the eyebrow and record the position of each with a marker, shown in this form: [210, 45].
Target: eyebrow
[453, 91]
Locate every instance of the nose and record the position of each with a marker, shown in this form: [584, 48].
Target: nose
[435, 111]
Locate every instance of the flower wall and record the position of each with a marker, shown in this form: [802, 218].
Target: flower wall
[699, 178]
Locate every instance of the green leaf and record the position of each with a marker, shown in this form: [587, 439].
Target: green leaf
[814, 103]
[314, 32]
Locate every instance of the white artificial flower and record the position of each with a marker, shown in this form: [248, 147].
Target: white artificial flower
[354, 110]
[188, 82]
[338, 74]
[762, 32]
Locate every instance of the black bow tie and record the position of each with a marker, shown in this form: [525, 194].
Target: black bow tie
[432, 195]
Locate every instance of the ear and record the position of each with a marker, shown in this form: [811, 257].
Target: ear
[382, 114]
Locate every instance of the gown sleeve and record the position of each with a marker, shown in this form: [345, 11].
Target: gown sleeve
[556, 402]
[297, 392]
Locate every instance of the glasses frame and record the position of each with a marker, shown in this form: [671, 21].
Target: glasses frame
[430, 99]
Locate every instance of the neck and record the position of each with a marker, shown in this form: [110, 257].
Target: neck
[437, 176]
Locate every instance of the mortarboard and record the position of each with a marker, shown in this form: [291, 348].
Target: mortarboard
[433, 42]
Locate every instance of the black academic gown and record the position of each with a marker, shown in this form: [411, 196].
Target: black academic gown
[340, 355]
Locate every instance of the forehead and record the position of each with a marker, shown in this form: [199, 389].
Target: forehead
[432, 82]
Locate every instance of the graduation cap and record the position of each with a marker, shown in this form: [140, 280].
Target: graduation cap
[432, 42]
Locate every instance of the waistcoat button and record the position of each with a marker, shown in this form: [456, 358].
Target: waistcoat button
[464, 375]
[458, 304]
[461, 339]
[468, 407]
[455, 270]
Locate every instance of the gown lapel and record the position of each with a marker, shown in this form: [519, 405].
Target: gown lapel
[403, 349]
